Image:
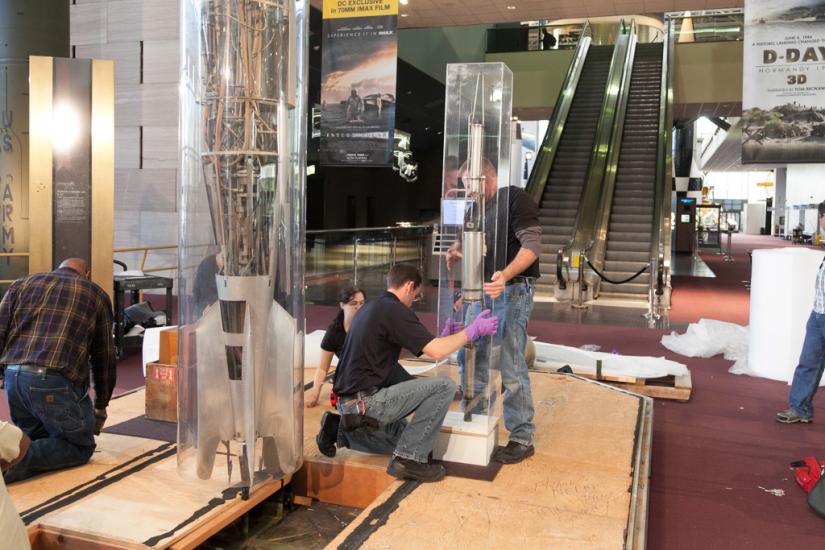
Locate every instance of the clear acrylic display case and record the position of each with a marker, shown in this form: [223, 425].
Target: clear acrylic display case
[240, 285]
[474, 211]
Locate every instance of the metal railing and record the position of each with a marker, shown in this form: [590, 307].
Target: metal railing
[660, 241]
[529, 39]
[591, 194]
[12, 255]
[146, 250]
[597, 246]
[336, 254]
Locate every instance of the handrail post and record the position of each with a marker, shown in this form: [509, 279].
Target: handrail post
[562, 283]
[652, 316]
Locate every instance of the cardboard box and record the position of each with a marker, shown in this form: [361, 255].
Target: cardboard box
[162, 391]
[168, 352]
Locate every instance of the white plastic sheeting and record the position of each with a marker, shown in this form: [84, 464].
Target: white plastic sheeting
[709, 337]
[554, 356]
[782, 296]
[312, 349]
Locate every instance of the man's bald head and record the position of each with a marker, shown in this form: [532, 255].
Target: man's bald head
[76, 264]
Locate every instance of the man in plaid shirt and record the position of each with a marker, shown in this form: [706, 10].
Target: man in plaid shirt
[808, 373]
[52, 326]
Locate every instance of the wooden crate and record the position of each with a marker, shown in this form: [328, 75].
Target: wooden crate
[162, 392]
[168, 353]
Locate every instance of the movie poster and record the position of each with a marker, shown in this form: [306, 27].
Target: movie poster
[359, 60]
[783, 100]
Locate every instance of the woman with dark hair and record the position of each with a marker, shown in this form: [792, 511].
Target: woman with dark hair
[350, 300]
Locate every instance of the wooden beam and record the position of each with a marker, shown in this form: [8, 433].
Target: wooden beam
[228, 513]
[343, 483]
[103, 172]
[41, 84]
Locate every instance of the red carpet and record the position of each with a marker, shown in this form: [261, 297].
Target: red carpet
[714, 458]
[724, 298]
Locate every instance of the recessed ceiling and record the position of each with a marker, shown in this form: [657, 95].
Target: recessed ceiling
[444, 13]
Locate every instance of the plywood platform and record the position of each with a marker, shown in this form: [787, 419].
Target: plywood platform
[129, 496]
[586, 486]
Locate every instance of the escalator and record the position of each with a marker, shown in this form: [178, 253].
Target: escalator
[563, 187]
[630, 229]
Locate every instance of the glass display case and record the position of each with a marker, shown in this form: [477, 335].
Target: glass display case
[241, 299]
[708, 225]
[474, 230]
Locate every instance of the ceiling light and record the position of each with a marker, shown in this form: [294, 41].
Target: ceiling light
[403, 15]
[511, 7]
[403, 2]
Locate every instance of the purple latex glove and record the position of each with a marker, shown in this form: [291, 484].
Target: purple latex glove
[482, 325]
[451, 327]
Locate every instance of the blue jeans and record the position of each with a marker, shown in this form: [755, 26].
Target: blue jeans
[808, 373]
[428, 398]
[518, 397]
[57, 415]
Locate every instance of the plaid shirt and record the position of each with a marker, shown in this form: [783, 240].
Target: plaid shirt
[61, 321]
[819, 298]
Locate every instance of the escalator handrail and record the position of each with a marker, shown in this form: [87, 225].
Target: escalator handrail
[597, 246]
[659, 248]
[591, 190]
[540, 173]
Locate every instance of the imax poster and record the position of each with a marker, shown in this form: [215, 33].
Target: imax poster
[783, 99]
[359, 61]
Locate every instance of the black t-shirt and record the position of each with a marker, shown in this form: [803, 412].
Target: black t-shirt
[523, 213]
[334, 337]
[370, 354]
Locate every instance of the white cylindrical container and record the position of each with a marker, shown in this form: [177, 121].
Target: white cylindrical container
[782, 297]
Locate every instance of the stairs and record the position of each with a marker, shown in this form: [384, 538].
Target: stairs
[631, 216]
[559, 203]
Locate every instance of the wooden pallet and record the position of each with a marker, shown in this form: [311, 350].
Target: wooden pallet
[677, 388]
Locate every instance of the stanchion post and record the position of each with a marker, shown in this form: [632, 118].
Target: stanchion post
[652, 316]
[729, 254]
[579, 303]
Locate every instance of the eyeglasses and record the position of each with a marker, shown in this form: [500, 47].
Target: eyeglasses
[355, 303]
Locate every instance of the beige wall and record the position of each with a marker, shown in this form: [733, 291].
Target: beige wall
[703, 73]
[537, 76]
[708, 72]
[146, 171]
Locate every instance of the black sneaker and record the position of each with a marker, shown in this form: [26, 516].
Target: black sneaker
[404, 468]
[328, 434]
[513, 453]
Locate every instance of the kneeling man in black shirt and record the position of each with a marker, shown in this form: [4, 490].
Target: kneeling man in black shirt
[376, 392]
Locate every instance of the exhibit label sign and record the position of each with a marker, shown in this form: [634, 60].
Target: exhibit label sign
[783, 99]
[358, 69]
